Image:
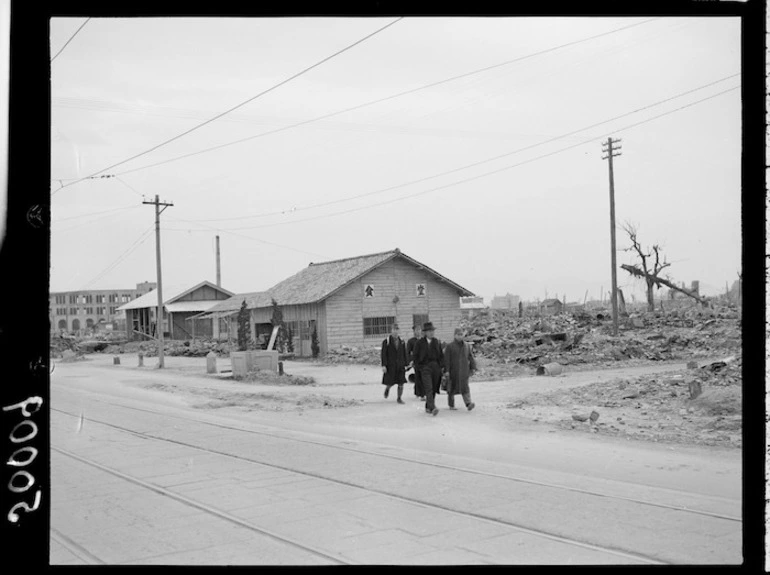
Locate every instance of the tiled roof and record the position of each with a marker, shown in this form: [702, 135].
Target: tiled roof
[318, 281]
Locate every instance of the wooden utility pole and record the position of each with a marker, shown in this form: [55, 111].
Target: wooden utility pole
[159, 317]
[611, 150]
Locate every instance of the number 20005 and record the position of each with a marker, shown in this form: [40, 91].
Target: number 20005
[22, 480]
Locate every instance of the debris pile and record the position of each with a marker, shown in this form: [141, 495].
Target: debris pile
[197, 348]
[586, 338]
[356, 355]
[700, 405]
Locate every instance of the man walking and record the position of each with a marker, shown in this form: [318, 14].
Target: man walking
[411, 346]
[460, 364]
[429, 361]
[393, 359]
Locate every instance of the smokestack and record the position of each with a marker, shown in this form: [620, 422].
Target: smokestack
[219, 274]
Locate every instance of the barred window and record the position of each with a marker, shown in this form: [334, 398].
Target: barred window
[378, 326]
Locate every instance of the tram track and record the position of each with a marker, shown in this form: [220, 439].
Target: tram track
[84, 554]
[426, 463]
[625, 554]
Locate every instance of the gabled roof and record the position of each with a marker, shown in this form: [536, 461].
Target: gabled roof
[550, 301]
[319, 281]
[171, 293]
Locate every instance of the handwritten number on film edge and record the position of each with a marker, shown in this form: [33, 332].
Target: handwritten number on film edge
[15, 461]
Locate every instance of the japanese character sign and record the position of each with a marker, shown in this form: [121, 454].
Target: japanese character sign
[420, 290]
[369, 290]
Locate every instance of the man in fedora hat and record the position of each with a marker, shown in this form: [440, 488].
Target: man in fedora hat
[429, 360]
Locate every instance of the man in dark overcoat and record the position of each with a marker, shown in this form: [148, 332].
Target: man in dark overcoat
[393, 359]
[411, 345]
[429, 360]
[460, 365]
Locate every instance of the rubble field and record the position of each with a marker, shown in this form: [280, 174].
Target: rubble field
[700, 405]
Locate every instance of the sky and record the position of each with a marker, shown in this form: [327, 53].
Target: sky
[472, 144]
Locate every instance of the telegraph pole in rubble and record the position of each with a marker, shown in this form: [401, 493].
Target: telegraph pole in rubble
[611, 150]
[159, 317]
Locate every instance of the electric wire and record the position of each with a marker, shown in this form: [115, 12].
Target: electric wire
[138, 242]
[380, 100]
[198, 126]
[391, 188]
[57, 220]
[70, 40]
[210, 228]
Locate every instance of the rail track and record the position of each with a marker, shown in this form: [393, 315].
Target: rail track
[275, 433]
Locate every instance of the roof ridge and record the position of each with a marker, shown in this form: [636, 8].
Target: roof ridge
[393, 251]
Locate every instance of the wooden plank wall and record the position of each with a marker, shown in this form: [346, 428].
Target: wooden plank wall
[346, 309]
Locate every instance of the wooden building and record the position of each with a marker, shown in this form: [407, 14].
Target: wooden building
[180, 306]
[353, 302]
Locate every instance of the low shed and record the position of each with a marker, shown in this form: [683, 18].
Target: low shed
[181, 305]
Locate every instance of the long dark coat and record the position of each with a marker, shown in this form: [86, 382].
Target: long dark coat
[459, 361]
[393, 357]
[410, 349]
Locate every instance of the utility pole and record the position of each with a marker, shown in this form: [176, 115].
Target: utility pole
[159, 317]
[219, 275]
[611, 150]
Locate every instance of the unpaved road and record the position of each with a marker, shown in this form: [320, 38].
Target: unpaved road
[346, 407]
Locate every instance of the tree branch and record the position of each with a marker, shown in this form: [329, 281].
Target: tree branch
[636, 272]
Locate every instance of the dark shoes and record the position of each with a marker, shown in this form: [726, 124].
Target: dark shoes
[435, 411]
[387, 391]
[471, 405]
[452, 408]
[399, 400]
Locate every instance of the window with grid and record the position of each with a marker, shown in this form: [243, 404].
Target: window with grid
[73, 299]
[61, 299]
[89, 310]
[73, 311]
[304, 330]
[378, 326]
[100, 298]
[89, 298]
[113, 298]
[419, 319]
[99, 311]
[291, 325]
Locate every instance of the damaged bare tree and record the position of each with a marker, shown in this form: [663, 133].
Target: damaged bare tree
[650, 269]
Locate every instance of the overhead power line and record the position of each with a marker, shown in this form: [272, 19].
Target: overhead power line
[467, 166]
[198, 126]
[485, 174]
[70, 40]
[138, 242]
[385, 99]
[211, 228]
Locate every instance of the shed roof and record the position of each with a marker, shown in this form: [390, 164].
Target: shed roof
[186, 306]
[550, 301]
[170, 294]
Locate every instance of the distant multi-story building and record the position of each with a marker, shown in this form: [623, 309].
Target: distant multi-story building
[507, 301]
[92, 310]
